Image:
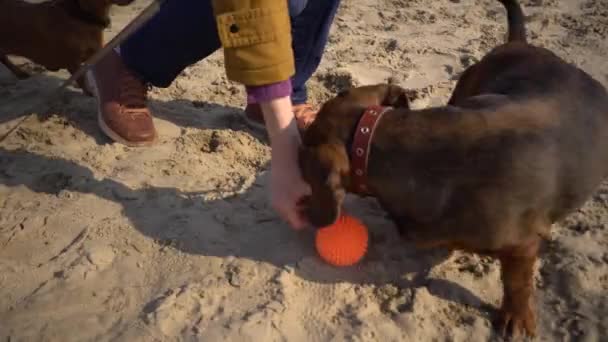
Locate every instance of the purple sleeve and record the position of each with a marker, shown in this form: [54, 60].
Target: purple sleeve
[257, 94]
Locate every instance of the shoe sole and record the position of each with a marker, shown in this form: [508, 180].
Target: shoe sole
[92, 82]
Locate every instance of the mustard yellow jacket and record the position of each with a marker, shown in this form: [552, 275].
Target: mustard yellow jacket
[256, 37]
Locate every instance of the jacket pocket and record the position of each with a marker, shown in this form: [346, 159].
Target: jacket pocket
[252, 26]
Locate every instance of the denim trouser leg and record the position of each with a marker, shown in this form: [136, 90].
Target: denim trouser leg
[184, 32]
[310, 31]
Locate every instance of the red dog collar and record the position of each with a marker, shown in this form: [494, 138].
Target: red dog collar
[361, 146]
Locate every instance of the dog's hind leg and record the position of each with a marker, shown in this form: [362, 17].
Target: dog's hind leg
[517, 315]
[20, 74]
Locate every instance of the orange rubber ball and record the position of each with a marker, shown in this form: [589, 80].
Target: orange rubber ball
[344, 243]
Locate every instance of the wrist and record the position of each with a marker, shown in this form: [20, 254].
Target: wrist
[279, 119]
[284, 147]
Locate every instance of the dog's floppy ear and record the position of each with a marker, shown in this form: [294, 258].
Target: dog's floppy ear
[396, 97]
[325, 168]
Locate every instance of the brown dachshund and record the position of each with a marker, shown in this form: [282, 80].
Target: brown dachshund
[521, 144]
[58, 34]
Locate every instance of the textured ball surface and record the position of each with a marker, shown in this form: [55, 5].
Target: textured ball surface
[344, 243]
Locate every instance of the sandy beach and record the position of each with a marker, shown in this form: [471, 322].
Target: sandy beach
[177, 242]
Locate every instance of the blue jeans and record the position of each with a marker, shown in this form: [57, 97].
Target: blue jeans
[184, 32]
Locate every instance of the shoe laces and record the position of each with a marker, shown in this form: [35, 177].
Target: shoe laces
[133, 93]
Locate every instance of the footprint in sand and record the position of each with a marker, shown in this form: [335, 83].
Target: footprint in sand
[177, 310]
[91, 260]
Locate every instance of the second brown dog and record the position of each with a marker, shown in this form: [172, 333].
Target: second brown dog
[58, 34]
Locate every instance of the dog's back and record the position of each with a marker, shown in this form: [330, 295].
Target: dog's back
[529, 74]
[521, 144]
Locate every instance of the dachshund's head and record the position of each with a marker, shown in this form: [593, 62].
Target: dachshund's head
[324, 159]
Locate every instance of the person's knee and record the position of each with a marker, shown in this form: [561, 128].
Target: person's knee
[296, 7]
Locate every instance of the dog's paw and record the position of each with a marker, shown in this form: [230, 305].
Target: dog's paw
[516, 324]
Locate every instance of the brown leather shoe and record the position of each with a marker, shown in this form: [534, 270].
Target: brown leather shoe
[304, 114]
[122, 111]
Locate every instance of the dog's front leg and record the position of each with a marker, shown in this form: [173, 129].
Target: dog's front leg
[517, 316]
[20, 74]
[81, 81]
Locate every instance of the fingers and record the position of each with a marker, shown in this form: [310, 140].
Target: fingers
[295, 220]
[300, 204]
[290, 213]
[292, 206]
[293, 213]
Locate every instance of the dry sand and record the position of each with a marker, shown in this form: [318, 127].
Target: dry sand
[176, 242]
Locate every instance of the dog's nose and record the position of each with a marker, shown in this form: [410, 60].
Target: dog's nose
[320, 218]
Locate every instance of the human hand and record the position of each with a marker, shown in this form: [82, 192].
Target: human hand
[287, 188]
